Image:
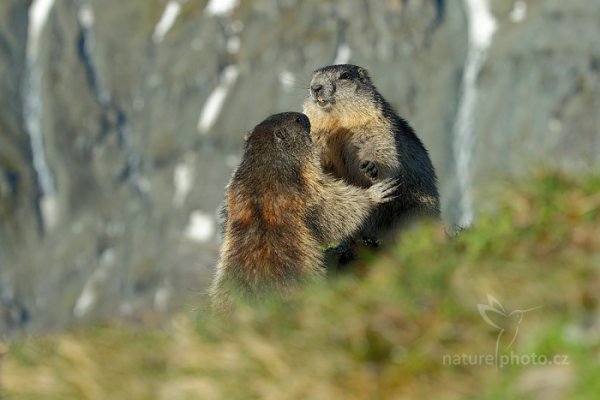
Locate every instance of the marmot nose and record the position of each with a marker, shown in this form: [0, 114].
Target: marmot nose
[316, 88]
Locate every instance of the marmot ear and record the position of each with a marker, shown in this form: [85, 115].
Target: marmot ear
[363, 75]
[280, 134]
[247, 135]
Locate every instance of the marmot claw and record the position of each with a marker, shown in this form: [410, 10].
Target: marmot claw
[370, 169]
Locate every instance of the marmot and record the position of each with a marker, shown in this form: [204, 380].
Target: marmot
[363, 141]
[280, 210]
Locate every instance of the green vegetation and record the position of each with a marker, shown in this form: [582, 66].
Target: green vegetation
[408, 327]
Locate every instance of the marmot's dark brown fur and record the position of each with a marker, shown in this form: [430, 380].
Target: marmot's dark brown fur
[363, 141]
[280, 210]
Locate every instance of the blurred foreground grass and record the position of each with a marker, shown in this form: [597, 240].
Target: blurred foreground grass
[409, 328]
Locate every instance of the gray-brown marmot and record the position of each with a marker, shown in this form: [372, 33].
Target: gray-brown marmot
[280, 210]
[363, 141]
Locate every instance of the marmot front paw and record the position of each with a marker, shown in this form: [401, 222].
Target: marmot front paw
[370, 169]
[384, 191]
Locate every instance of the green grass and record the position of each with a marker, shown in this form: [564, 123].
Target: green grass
[381, 335]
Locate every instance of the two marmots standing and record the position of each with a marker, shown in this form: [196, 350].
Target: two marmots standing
[280, 209]
[291, 195]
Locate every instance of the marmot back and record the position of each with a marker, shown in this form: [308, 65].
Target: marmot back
[362, 140]
[280, 209]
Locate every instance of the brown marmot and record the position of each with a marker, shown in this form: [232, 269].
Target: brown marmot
[363, 141]
[280, 210]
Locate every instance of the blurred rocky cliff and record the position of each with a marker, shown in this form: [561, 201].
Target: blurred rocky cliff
[121, 121]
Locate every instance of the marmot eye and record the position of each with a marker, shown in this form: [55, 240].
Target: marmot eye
[345, 75]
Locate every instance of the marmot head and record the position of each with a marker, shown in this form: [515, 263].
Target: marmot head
[339, 88]
[281, 142]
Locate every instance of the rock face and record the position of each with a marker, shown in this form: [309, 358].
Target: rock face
[120, 123]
